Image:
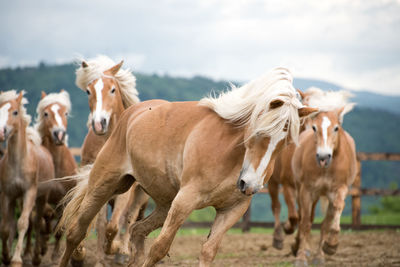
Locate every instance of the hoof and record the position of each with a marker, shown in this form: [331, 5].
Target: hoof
[121, 259]
[77, 263]
[318, 261]
[55, 256]
[300, 263]
[36, 261]
[288, 230]
[16, 264]
[329, 249]
[277, 243]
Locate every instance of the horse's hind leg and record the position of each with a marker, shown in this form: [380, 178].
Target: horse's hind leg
[289, 193]
[183, 204]
[319, 257]
[140, 229]
[105, 185]
[137, 199]
[5, 227]
[23, 223]
[224, 220]
[112, 228]
[273, 188]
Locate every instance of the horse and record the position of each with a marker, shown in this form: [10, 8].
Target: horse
[25, 164]
[110, 90]
[283, 175]
[324, 165]
[189, 155]
[51, 123]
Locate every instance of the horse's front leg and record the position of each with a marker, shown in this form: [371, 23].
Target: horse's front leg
[305, 203]
[40, 236]
[331, 243]
[23, 223]
[289, 194]
[273, 189]
[224, 220]
[183, 204]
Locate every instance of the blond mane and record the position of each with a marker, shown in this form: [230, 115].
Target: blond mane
[329, 100]
[31, 133]
[249, 104]
[96, 68]
[62, 98]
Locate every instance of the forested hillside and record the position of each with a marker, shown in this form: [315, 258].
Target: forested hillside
[374, 130]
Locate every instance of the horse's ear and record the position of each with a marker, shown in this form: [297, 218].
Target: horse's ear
[84, 64]
[43, 95]
[343, 110]
[275, 104]
[302, 95]
[19, 98]
[62, 90]
[114, 70]
[306, 111]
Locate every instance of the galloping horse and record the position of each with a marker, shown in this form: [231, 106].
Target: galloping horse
[25, 164]
[51, 123]
[189, 155]
[111, 90]
[324, 164]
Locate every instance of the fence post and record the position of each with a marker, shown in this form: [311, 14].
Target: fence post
[246, 220]
[356, 199]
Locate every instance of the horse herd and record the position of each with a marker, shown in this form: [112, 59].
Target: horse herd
[184, 155]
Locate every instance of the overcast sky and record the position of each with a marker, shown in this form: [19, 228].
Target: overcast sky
[354, 43]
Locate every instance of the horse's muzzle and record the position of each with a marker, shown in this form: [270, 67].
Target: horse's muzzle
[100, 127]
[244, 186]
[59, 137]
[324, 160]
[3, 134]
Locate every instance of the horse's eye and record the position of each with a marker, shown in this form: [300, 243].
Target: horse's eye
[88, 92]
[336, 128]
[113, 90]
[66, 114]
[46, 114]
[15, 113]
[314, 128]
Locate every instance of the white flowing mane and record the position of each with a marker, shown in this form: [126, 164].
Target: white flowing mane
[249, 104]
[62, 98]
[329, 100]
[95, 70]
[31, 133]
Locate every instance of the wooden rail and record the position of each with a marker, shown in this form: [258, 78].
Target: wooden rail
[355, 193]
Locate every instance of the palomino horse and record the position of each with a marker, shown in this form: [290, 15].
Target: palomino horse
[25, 164]
[323, 165]
[51, 123]
[190, 155]
[111, 90]
[283, 175]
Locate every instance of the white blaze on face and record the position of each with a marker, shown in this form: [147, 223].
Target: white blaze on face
[57, 116]
[4, 114]
[325, 125]
[99, 99]
[254, 177]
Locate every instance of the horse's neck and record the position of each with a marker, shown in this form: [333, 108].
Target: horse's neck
[17, 148]
[60, 155]
[115, 117]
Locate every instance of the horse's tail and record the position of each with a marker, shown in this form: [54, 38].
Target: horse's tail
[73, 199]
[324, 204]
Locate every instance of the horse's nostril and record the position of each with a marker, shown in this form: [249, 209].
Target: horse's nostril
[242, 185]
[329, 156]
[103, 121]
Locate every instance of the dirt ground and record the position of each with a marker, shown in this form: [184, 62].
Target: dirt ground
[370, 248]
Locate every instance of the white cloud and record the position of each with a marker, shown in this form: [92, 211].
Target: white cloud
[352, 43]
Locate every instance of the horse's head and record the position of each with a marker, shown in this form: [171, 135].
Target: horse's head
[54, 116]
[327, 127]
[10, 112]
[262, 149]
[104, 99]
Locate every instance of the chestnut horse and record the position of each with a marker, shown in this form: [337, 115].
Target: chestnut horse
[189, 155]
[324, 164]
[25, 164]
[111, 90]
[51, 123]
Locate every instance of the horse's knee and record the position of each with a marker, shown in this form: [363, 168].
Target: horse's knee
[111, 231]
[207, 254]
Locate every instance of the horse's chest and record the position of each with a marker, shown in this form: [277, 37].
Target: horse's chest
[323, 184]
[15, 185]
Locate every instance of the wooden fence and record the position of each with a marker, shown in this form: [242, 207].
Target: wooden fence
[356, 192]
